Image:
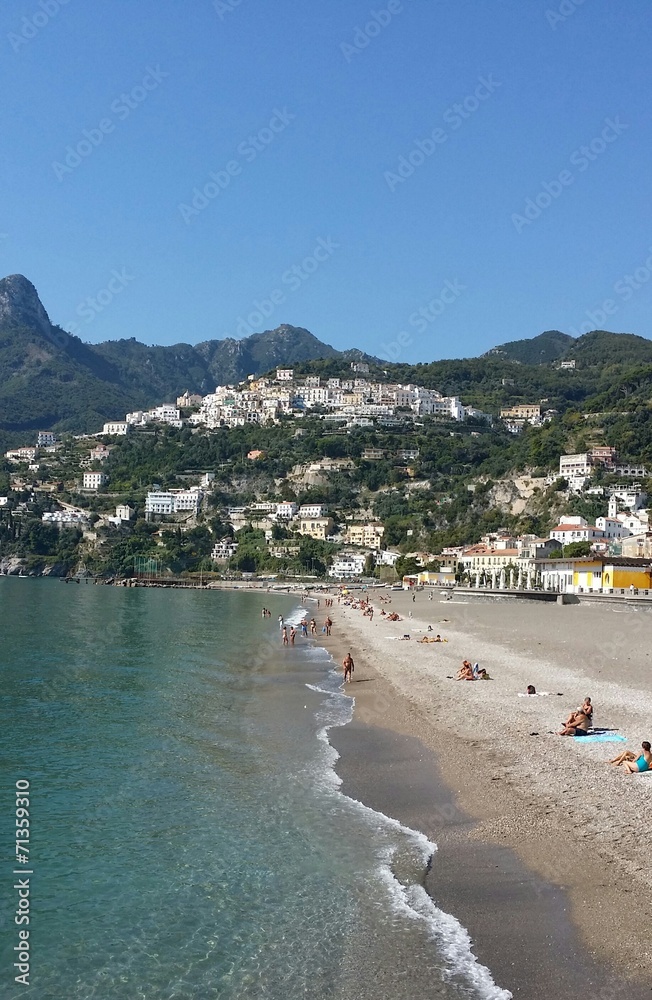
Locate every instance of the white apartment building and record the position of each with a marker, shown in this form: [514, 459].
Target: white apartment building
[93, 480]
[347, 565]
[116, 428]
[188, 500]
[223, 550]
[576, 529]
[160, 502]
[165, 414]
[45, 438]
[285, 511]
[311, 510]
[612, 527]
[285, 374]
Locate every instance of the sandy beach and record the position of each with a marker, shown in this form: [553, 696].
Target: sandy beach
[543, 847]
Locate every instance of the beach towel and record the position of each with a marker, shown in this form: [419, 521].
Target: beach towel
[601, 738]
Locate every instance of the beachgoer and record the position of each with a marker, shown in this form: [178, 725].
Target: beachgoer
[349, 667]
[414, 597]
[633, 764]
[531, 689]
[586, 710]
[304, 628]
[313, 627]
[280, 621]
[577, 724]
[293, 635]
[284, 633]
[465, 672]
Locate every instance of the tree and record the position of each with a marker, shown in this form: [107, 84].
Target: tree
[574, 549]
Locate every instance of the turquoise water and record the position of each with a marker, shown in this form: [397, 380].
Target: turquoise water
[188, 835]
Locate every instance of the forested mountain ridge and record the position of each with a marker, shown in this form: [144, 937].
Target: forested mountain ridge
[50, 379]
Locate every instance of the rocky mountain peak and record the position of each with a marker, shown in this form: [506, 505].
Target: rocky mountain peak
[21, 306]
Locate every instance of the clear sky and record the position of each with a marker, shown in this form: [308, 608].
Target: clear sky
[167, 167]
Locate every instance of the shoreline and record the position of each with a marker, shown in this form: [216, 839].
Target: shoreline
[516, 836]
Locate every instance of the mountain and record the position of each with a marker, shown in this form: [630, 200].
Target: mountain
[51, 379]
[541, 350]
[603, 349]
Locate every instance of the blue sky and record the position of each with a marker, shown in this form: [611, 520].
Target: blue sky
[406, 176]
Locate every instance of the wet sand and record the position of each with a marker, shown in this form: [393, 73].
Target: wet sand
[543, 849]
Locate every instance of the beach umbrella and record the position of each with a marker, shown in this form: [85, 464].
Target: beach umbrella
[493, 579]
[502, 579]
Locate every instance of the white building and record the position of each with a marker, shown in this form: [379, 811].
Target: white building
[285, 511]
[187, 500]
[116, 428]
[285, 374]
[387, 557]
[308, 510]
[124, 512]
[160, 502]
[223, 550]
[93, 480]
[21, 454]
[347, 565]
[65, 518]
[576, 529]
[45, 438]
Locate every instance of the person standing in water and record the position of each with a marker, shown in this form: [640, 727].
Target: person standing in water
[285, 636]
[280, 621]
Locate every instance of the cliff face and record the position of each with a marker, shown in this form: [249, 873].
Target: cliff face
[20, 305]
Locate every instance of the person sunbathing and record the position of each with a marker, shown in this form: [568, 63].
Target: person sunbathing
[633, 764]
[427, 638]
[465, 672]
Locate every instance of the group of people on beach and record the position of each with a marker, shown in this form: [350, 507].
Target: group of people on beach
[475, 672]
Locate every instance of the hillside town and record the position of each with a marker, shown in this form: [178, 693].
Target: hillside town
[611, 553]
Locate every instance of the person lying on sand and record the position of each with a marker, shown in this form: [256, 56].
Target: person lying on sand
[633, 764]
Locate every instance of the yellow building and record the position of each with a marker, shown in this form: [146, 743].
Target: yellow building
[367, 535]
[316, 527]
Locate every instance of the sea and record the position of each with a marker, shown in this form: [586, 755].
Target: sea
[189, 837]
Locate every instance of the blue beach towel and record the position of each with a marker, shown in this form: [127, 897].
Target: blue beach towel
[601, 738]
